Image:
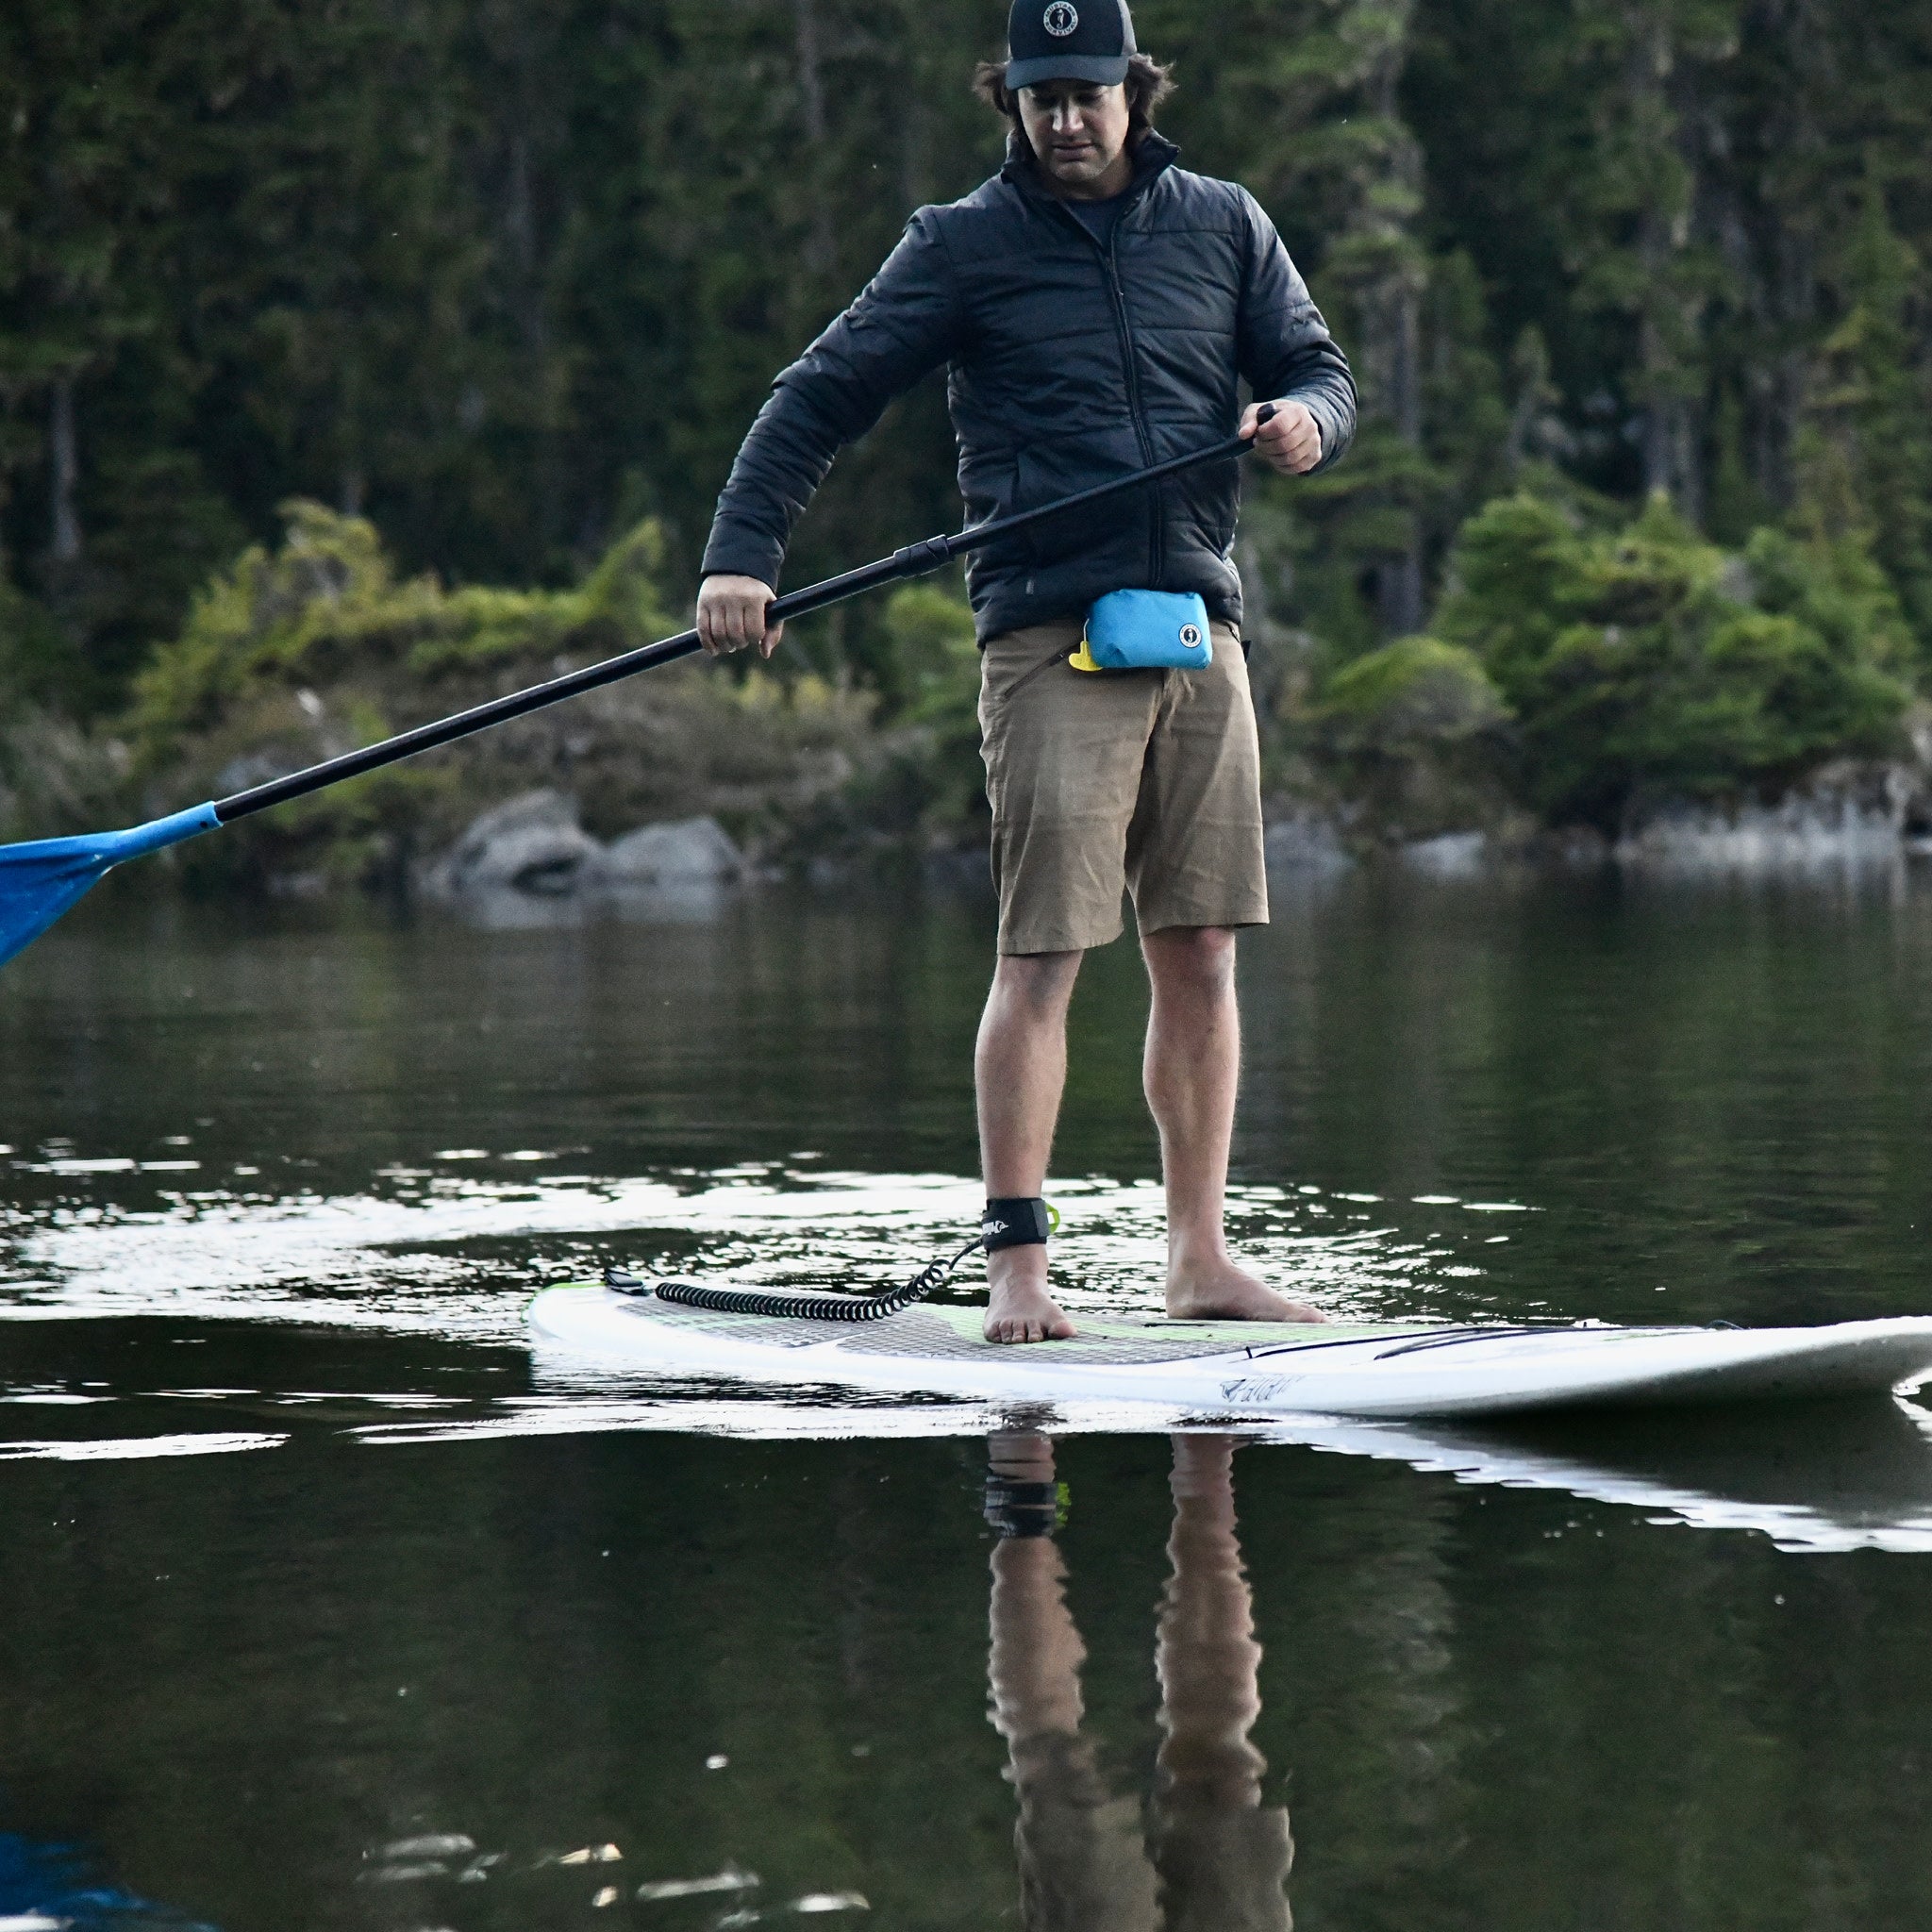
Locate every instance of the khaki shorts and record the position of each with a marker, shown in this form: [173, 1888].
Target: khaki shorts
[1143, 781]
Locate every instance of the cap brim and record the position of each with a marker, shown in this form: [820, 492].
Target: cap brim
[1109, 70]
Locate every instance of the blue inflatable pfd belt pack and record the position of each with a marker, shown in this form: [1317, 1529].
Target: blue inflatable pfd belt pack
[1146, 630]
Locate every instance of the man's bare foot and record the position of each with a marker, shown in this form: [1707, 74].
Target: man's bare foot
[1019, 1308]
[1220, 1292]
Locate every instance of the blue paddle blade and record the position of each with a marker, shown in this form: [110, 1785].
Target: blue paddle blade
[40, 880]
[52, 1885]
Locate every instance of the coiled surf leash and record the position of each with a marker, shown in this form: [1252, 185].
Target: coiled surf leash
[1013, 1222]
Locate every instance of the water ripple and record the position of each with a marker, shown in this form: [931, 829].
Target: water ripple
[456, 1253]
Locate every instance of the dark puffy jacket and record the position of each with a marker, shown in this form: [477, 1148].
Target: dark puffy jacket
[1069, 363]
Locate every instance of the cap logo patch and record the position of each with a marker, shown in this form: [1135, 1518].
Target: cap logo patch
[1061, 19]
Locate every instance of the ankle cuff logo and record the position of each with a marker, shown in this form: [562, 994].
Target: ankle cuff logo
[1061, 19]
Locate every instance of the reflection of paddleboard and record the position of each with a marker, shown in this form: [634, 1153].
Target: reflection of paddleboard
[1246, 1368]
[1820, 1476]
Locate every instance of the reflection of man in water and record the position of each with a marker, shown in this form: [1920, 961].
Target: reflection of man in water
[1210, 1857]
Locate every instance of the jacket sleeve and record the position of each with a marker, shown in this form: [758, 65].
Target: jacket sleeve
[1284, 346]
[907, 321]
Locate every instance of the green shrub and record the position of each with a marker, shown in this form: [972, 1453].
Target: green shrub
[931, 628]
[1417, 690]
[929, 786]
[297, 654]
[327, 604]
[1646, 661]
[1415, 735]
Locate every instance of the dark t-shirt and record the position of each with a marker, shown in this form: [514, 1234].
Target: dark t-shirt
[1098, 217]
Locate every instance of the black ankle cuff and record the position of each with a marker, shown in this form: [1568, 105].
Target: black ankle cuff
[1021, 1509]
[1019, 1221]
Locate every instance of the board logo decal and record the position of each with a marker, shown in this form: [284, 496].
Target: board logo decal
[1061, 19]
[1190, 636]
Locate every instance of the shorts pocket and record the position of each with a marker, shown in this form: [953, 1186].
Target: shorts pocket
[1010, 664]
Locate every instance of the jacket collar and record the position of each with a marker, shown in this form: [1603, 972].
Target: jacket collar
[1153, 157]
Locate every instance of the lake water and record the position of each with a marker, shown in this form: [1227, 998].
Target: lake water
[326, 1605]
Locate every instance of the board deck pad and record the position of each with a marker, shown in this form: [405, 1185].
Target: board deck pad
[947, 1331]
[1235, 1369]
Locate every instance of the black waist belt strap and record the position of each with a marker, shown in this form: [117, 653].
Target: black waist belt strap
[1021, 1221]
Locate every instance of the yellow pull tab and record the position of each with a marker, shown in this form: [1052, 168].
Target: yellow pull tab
[1082, 660]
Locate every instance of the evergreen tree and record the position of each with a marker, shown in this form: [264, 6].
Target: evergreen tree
[509, 278]
[106, 514]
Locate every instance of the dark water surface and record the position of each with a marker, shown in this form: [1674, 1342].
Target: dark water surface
[324, 1604]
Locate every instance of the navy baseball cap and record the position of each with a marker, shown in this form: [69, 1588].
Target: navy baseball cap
[1068, 40]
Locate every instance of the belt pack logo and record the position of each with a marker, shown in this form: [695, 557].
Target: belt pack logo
[1061, 19]
[1190, 636]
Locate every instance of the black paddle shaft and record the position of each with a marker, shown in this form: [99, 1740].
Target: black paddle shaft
[913, 560]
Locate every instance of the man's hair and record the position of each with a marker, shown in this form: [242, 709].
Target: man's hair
[1148, 84]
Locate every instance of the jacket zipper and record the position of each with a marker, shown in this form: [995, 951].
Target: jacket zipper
[1156, 521]
[1157, 532]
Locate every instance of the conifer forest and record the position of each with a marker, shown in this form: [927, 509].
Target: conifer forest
[466, 304]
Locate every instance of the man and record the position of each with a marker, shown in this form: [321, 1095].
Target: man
[1096, 307]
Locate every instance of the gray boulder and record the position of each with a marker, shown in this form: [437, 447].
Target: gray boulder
[679, 855]
[531, 844]
[1448, 856]
[1305, 842]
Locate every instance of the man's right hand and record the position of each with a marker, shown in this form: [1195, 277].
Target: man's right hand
[731, 614]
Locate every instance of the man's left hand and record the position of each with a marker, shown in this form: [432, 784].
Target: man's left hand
[1290, 440]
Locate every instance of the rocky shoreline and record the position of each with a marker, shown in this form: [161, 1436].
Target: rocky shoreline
[532, 853]
[1759, 719]
[1842, 817]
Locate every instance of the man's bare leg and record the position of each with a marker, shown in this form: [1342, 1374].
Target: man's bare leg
[1020, 1069]
[1191, 1070]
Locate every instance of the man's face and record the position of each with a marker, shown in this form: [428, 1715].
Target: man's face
[1077, 128]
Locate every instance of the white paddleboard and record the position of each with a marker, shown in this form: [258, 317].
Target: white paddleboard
[1243, 1368]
